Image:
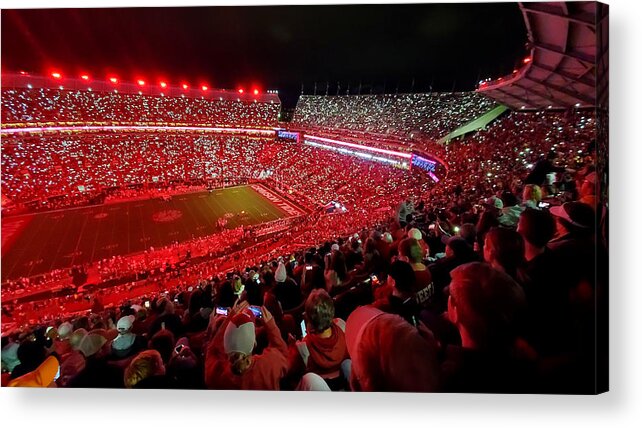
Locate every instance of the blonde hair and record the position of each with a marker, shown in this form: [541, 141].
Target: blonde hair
[146, 364]
[239, 362]
[532, 192]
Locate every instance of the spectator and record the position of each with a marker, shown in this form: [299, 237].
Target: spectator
[323, 349]
[373, 338]
[335, 274]
[126, 344]
[97, 373]
[504, 250]
[42, 376]
[531, 196]
[146, 370]
[286, 289]
[484, 304]
[163, 342]
[229, 363]
[400, 299]
[411, 251]
[458, 252]
[167, 319]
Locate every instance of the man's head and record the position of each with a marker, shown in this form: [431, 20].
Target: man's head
[163, 342]
[456, 246]
[483, 304]
[415, 233]
[319, 311]
[537, 227]
[410, 248]
[390, 354]
[401, 277]
[504, 247]
[574, 217]
[468, 231]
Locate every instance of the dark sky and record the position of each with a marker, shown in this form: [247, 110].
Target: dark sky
[274, 47]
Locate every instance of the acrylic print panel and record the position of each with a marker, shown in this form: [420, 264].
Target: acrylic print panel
[411, 199]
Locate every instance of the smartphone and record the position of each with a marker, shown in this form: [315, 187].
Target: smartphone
[147, 304]
[221, 311]
[57, 374]
[543, 205]
[178, 349]
[304, 332]
[308, 268]
[256, 310]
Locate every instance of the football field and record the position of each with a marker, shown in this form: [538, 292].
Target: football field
[41, 242]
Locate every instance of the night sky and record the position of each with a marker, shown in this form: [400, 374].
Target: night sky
[385, 47]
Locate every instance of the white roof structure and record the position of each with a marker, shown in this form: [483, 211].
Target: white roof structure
[568, 44]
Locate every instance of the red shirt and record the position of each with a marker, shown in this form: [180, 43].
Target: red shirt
[265, 372]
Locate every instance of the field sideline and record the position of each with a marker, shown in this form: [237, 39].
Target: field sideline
[60, 239]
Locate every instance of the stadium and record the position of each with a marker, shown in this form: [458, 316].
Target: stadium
[146, 225]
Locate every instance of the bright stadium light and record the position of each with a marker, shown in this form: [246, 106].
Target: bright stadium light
[24, 73]
[527, 60]
[204, 87]
[141, 82]
[185, 86]
[84, 77]
[241, 91]
[256, 92]
[163, 85]
[56, 75]
[113, 80]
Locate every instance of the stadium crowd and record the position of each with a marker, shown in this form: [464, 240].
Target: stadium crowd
[35, 106]
[428, 116]
[77, 167]
[484, 283]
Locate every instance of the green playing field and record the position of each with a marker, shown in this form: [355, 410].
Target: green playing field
[60, 239]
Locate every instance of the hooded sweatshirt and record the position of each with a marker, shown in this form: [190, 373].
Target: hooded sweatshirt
[322, 356]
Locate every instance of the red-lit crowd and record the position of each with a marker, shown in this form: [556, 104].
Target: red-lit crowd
[484, 283]
[40, 105]
[410, 116]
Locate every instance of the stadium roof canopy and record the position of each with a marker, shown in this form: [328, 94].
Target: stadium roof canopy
[560, 71]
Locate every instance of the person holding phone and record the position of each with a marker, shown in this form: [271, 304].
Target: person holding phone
[230, 361]
[323, 349]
